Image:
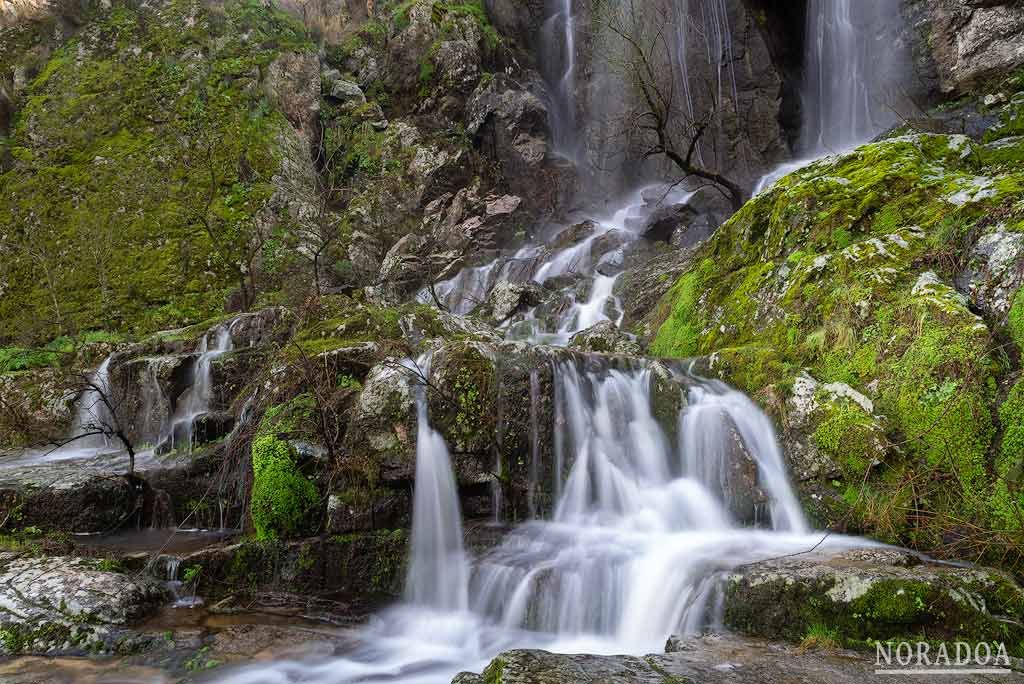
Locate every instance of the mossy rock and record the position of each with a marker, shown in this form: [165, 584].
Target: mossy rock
[874, 595]
[845, 268]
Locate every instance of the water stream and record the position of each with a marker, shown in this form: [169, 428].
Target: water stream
[648, 514]
[852, 79]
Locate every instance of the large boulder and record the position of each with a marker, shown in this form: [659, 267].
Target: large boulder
[708, 659]
[70, 605]
[966, 44]
[873, 594]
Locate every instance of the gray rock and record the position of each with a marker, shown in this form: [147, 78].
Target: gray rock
[293, 82]
[993, 273]
[605, 338]
[705, 659]
[347, 93]
[382, 425]
[509, 298]
[66, 604]
[969, 43]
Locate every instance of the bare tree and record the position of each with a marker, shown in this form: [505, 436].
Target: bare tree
[102, 413]
[641, 52]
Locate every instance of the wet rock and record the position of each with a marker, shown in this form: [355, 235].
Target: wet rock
[641, 288]
[354, 564]
[707, 659]
[872, 594]
[69, 498]
[605, 338]
[62, 604]
[212, 426]
[510, 123]
[509, 298]
[994, 273]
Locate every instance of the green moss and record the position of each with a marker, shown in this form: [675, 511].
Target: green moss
[821, 272]
[494, 672]
[117, 181]
[1016, 319]
[679, 335]
[283, 500]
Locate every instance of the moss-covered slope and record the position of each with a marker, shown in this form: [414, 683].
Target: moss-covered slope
[849, 269]
[141, 158]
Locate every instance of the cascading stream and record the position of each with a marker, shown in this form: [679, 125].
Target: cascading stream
[647, 509]
[196, 400]
[850, 92]
[632, 554]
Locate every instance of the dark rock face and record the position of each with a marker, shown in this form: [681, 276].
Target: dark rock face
[364, 563]
[84, 504]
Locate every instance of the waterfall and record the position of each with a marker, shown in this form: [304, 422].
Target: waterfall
[195, 401]
[558, 57]
[845, 92]
[437, 562]
[852, 78]
[92, 411]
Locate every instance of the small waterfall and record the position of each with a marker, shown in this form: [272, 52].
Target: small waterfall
[92, 411]
[852, 78]
[438, 569]
[183, 592]
[195, 401]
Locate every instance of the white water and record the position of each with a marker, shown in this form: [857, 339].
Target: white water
[633, 552]
[852, 79]
[438, 570]
[92, 412]
[195, 401]
[558, 52]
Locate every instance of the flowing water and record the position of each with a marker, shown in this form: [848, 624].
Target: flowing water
[641, 531]
[853, 78]
[647, 513]
[195, 401]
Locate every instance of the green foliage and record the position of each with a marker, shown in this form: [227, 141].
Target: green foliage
[283, 500]
[103, 207]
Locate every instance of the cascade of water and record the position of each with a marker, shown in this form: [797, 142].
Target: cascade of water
[438, 570]
[92, 411]
[195, 401]
[558, 56]
[850, 92]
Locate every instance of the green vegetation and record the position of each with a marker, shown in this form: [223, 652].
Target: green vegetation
[283, 500]
[824, 272]
[97, 181]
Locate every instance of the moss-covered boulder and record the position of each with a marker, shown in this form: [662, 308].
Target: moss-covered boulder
[284, 502]
[848, 268]
[869, 595]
